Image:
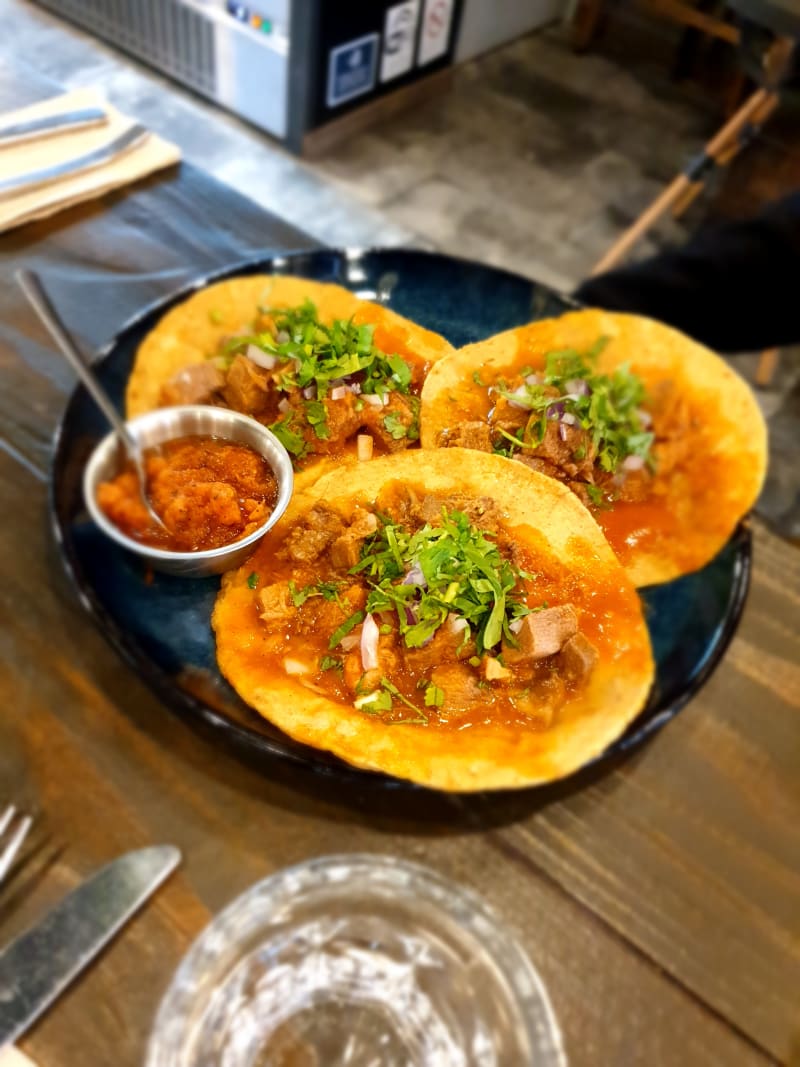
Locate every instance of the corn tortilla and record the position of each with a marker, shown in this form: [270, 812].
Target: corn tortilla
[547, 520]
[193, 330]
[690, 511]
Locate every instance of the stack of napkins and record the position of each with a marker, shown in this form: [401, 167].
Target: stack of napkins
[12, 1057]
[25, 157]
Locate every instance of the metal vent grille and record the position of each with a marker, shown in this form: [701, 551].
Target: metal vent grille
[165, 33]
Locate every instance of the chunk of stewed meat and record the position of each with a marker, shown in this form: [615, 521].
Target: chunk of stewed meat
[569, 448]
[198, 383]
[246, 387]
[475, 435]
[342, 420]
[275, 604]
[459, 683]
[346, 549]
[542, 634]
[448, 644]
[579, 657]
[394, 425]
[479, 510]
[306, 541]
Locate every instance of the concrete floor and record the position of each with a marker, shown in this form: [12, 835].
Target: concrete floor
[535, 160]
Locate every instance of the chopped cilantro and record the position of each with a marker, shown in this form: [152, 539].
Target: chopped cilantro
[349, 624]
[595, 494]
[291, 440]
[395, 426]
[330, 663]
[311, 357]
[464, 573]
[372, 703]
[434, 696]
[252, 581]
[327, 590]
[317, 418]
[517, 441]
[606, 406]
[476, 377]
[395, 692]
[215, 317]
[401, 372]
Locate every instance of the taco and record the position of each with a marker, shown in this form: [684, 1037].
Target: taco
[660, 439]
[449, 618]
[316, 364]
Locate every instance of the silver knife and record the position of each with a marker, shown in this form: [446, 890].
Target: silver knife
[63, 122]
[39, 965]
[133, 136]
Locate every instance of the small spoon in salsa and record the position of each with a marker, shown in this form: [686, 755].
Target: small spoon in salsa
[33, 289]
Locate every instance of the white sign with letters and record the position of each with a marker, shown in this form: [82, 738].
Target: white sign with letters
[437, 18]
[399, 36]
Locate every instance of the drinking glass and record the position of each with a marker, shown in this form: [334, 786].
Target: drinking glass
[356, 961]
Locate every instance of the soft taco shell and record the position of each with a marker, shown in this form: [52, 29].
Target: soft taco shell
[567, 545]
[692, 510]
[194, 330]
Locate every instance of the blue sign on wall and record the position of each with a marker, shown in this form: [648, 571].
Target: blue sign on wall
[351, 69]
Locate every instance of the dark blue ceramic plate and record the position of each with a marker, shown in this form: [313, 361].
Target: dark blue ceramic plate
[161, 627]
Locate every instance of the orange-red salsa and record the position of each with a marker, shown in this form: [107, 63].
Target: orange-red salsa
[207, 491]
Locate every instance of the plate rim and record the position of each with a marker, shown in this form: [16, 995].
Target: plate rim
[200, 715]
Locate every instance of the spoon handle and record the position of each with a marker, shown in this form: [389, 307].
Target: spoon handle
[31, 286]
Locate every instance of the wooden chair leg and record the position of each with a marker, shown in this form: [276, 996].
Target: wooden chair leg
[682, 189]
[585, 22]
[767, 365]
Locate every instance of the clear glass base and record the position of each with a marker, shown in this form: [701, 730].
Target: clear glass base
[355, 961]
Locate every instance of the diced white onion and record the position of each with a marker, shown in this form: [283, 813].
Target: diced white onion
[632, 463]
[577, 386]
[310, 392]
[534, 379]
[368, 698]
[519, 399]
[339, 393]
[261, 359]
[284, 406]
[364, 446]
[282, 337]
[369, 643]
[295, 666]
[562, 431]
[516, 625]
[349, 641]
[568, 418]
[355, 388]
[414, 576]
[645, 418]
[456, 624]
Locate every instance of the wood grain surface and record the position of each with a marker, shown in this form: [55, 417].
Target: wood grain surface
[658, 898]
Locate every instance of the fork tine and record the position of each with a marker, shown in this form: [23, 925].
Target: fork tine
[6, 818]
[12, 848]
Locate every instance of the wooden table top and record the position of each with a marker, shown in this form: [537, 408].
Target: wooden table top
[658, 898]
